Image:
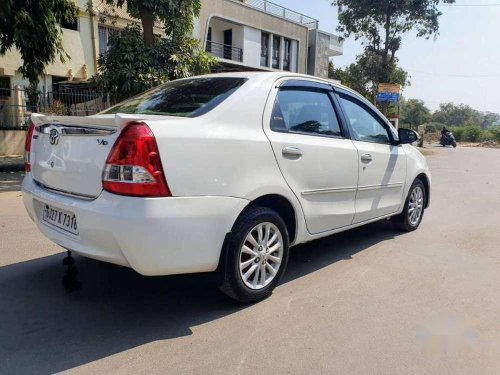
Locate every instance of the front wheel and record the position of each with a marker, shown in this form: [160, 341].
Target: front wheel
[257, 255]
[413, 212]
[454, 144]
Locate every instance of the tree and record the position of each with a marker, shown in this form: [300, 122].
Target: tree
[414, 112]
[457, 115]
[137, 59]
[33, 28]
[150, 11]
[382, 23]
[360, 75]
[131, 67]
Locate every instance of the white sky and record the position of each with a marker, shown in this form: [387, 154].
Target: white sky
[462, 65]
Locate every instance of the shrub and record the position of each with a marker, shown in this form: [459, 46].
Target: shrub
[496, 133]
[472, 134]
[487, 135]
[459, 133]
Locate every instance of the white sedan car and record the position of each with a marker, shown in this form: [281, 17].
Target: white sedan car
[222, 173]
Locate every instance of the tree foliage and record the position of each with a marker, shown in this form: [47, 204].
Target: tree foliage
[33, 28]
[451, 114]
[414, 113]
[381, 24]
[360, 75]
[131, 67]
[164, 11]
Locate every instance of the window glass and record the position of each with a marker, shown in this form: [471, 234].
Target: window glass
[364, 125]
[188, 98]
[304, 112]
[264, 49]
[276, 52]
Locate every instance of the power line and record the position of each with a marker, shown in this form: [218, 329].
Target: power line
[456, 75]
[469, 5]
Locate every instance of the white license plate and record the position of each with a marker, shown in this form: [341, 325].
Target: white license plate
[59, 218]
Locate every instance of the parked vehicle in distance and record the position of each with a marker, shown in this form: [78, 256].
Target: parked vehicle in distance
[221, 173]
[448, 139]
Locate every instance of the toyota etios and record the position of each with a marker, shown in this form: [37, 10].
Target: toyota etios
[222, 173]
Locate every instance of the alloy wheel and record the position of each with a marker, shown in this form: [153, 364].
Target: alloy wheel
[261, 255]
[415, 205]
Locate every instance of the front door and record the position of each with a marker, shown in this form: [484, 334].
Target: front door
[228, 43]
[317, 161]
[382, 165]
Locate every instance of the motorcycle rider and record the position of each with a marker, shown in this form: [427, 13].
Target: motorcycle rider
[444, 131]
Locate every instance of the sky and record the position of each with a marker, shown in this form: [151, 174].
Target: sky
[461, 65]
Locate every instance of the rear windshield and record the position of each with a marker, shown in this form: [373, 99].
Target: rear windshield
[187, 98]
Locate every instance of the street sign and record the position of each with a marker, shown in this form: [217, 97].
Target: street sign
[387, 97]
[392, 88]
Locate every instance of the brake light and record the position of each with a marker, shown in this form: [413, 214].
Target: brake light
[27, 148]
[133, 166]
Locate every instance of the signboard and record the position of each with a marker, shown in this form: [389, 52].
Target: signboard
[387, 97]
[388, 92]
[392, 88]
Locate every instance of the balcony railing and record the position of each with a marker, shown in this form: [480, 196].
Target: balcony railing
[279, 11]
[225, 51]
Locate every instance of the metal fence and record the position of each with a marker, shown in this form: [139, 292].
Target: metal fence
[16, 106]
[280, 11]
[225, 51]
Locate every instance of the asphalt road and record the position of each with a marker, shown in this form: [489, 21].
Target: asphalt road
[368, 301]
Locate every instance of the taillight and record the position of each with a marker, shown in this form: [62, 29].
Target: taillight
[27, 148]
[133, 166]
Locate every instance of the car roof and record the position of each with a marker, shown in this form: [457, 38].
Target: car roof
[276, 76]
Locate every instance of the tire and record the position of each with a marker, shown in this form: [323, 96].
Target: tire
[406, 221]
[255, 287]
[454, 144]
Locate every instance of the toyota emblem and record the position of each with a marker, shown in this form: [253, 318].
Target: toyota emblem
[54, 136]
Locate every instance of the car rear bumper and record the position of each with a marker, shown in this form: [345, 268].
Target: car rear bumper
[154, 236]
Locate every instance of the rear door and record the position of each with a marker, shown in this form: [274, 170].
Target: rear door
[317, 160]
[382, 164]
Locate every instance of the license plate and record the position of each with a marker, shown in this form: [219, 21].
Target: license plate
[59, 218]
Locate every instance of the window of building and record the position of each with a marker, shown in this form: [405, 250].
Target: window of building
[264, 49]
[209, 40]
[70, 25]
[365, 126]
[4, 87]
[305, 112]
[105, 32]
[276, 52]
[287, 53]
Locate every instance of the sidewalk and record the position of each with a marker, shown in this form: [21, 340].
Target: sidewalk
[11, 163]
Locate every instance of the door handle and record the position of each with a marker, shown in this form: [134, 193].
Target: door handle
[366, 158]
[291, 152]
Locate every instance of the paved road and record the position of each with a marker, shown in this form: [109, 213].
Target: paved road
[367, 301]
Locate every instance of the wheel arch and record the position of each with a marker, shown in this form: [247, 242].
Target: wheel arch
[282, 206]
[425, 180]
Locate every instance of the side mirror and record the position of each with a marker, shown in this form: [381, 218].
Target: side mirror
[407, 136]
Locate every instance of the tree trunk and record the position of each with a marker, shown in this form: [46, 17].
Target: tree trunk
[147, 20]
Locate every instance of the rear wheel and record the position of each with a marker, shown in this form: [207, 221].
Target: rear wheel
[257, 255]
[413, 212]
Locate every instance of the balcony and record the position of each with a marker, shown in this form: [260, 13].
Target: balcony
[282, 12]
[224, 51]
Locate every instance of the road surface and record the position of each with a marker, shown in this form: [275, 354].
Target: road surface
[368, 301]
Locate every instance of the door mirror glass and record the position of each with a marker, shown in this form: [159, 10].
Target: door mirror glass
[407, 136]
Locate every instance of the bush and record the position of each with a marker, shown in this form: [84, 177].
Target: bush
[459, 133]
[496, 133]
[487, 135]
[472, 134]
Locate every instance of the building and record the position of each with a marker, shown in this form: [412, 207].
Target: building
[242, 34]
[261, 35]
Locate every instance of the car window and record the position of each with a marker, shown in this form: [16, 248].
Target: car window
[188, 98]
[364, 125]
[304, 111]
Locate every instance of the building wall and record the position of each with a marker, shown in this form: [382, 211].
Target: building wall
[251, 46]
[240, 13]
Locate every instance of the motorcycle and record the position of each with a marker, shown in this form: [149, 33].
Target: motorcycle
[448, 139]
